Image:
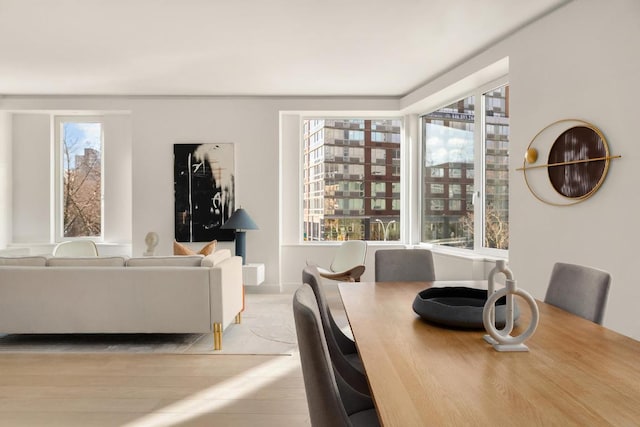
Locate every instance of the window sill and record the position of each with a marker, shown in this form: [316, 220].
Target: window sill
[461, 253]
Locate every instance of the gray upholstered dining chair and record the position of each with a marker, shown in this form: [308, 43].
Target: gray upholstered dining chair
[342, 349]
[332, 402]
[404, 265]
[580, 290]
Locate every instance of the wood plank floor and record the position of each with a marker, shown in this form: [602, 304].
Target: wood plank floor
[151, 390]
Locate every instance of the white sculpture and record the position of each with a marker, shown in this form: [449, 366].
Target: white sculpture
[151, 239]
[500, 268]
[502, 339]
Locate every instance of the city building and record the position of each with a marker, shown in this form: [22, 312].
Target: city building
[351, 179]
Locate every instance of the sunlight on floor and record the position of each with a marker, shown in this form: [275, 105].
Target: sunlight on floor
[209, 400]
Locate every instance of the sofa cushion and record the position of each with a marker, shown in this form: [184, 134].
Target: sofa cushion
[216, 257]
[180, 249]
[91, 261]
[27, 261]
[166, 261]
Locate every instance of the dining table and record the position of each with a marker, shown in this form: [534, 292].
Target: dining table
[575, 372]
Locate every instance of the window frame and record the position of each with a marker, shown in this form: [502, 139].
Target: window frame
[479, 166]
[57, 216]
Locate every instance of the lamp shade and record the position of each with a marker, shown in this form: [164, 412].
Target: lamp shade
[240, 220]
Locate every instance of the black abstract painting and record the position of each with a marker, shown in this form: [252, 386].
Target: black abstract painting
[204, 187]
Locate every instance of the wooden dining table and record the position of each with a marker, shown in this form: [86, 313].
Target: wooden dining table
[420, 374]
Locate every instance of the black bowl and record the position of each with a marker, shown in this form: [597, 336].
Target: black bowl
[459, 307]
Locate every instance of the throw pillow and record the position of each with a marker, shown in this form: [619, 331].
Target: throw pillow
[209, 248]
[180, 249]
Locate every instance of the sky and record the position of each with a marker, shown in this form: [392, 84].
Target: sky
[80, 135]
[446, 144]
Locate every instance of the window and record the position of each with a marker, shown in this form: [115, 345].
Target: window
[454, 140]
[79, 147]
[358, 178]
[378, 204]
[436, 172]
[378, 170]
[437, 188]
[378, 188]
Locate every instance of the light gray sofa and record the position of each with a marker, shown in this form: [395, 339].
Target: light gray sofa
[185, 294]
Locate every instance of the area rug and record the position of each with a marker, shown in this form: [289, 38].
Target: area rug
[267, 327]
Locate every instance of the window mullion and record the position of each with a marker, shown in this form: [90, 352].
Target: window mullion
[480, 175]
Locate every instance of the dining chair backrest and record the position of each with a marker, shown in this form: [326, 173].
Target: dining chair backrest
[311, 277]
[75, 248]
[349, 254]
[338, 344]
[404, 265]
[331, 401]
[580, 290]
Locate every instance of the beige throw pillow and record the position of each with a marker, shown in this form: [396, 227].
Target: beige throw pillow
[180, 249]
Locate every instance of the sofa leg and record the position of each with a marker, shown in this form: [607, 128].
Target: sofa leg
[217, 336]
[239, 318]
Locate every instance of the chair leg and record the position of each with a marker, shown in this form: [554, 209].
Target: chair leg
[217, 336]
[238, 317]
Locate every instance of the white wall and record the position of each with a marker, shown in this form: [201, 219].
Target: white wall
[581, 62]
[32, 189]
[118, 178]
[6, 222]
[157, 123]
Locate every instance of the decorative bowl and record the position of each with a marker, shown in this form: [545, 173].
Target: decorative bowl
[458, 307]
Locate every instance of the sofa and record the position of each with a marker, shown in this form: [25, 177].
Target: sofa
[175, 294]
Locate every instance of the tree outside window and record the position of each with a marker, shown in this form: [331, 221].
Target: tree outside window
[81, 155]
[456, 145]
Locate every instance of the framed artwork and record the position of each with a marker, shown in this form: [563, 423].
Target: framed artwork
[204, 191]
[576, 163]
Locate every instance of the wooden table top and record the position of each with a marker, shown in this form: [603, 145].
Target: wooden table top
[575, 373]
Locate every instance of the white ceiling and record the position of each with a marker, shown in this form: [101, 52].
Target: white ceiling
[245, 47]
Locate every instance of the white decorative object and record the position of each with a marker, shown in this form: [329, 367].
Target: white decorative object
[504, 341]
[151, 239]
[500, 268]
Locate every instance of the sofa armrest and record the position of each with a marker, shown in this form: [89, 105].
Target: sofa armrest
[226, 290]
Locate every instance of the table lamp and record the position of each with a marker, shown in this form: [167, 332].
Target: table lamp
[240, 221]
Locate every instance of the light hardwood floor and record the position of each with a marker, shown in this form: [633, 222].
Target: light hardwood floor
[155, 390]
[151, 390]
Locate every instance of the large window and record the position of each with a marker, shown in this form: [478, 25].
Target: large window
[79, 143]
[351, 179]
[465, 185]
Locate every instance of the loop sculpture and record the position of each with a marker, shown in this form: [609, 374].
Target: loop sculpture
[500, 268]
[502, 340]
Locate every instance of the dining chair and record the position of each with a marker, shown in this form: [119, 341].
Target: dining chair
[348, 262]
[342, 349]
[580, 290]
[72, 248]
[404, 265]
[332, 402]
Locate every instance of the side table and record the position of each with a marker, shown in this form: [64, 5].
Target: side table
[253, 274]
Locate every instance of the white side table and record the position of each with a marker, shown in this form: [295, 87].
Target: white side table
[253, 274]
